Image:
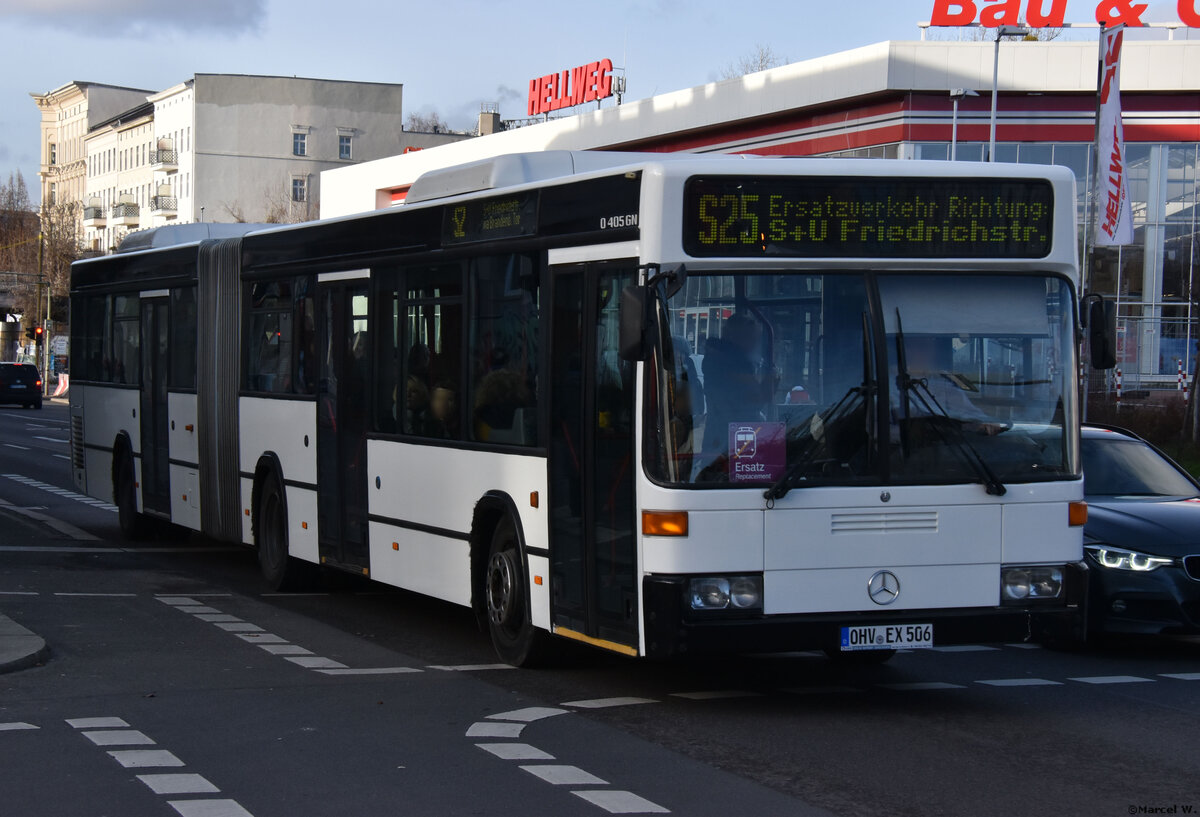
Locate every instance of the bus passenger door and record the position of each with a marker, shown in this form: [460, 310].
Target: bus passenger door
[156, 475]
[343, 404]
[593, 550]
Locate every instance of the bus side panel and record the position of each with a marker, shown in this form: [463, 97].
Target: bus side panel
[287, 429]
[435, 487]
[107, 411]
[185, 459]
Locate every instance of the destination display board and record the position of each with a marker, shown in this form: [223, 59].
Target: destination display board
[488, 219]
[867, 217]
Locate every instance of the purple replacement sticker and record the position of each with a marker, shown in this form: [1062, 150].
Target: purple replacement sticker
[757, 451]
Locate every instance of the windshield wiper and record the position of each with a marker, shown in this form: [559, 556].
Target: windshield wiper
[919, 387]
[855, 396]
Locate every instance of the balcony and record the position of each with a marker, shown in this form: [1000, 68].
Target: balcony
[165, 160]
[164, 206]
[93, 217]
[124, 215]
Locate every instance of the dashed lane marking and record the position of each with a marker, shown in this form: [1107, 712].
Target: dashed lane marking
[470, 667]
[45, 486]
[716, 694]
[18, 447]
[1182, 676]
[270, 642]
[1113, 679]
[50, 439]
[16, 727]
[512, 723]
[921, 686]
[164, 783]
[1020, 682]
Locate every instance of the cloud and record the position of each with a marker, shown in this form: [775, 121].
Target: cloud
[137, 18]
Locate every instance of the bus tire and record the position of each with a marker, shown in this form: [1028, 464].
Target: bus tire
[283, 572]
[506, 600]
[134, 525]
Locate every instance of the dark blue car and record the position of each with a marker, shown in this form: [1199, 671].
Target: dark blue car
[1142, 537]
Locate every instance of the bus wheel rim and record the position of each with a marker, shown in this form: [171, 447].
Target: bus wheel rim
[501, 596]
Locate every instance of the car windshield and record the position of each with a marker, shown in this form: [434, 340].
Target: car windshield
[804, 378]
[1115, 466]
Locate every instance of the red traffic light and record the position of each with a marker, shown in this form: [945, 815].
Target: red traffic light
[37, 331]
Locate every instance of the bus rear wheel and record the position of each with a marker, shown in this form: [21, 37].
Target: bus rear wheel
[282, 572]
[506, 599]
[133, 524]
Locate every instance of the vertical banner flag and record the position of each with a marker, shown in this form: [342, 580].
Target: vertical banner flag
[1114, 218]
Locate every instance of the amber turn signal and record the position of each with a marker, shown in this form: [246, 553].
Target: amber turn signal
[665, 523]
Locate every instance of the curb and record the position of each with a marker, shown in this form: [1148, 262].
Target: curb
[19, 648]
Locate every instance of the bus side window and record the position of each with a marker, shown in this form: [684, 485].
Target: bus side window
[429, 361]
[505, 325]
[126, 340]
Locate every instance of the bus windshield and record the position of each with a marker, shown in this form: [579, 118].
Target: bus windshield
[796, 379]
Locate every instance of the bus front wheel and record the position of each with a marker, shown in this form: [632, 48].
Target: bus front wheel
[514, 637]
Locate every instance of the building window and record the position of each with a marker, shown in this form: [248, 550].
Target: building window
[299, 144]
[300, 189]
[344, 147]
[53, 153]
[53, 193]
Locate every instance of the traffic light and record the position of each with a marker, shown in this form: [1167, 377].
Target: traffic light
[37, 335]
[29, 333]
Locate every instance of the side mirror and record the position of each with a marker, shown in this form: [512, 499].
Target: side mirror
[633, 345]
[1102, 333]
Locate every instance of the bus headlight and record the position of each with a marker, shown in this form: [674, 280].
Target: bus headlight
[725, 593]
[1023, 584]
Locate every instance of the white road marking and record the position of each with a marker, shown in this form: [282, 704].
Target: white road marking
[470, 667]
[200, 608]
[923, 685]
[217, 618]
[145, 758]
[621, 802]
[262, 638]
[1020, 682]
[315, 662]
[177, 601]
[209, 808]
[178, 784]
[45, 486]
[18, 593]
[97, 723]
[716, 694]
[1025, 645]
[284, 649]
[605, 703]
[529, 714]
[370, 671]
[119, 737]
[50, 439]
[515, 751]
[14, 727]
[100, 595]
[238, 627]
[60, 456]
[495, 729]
[1111, 679]
[65, 528]
[18, 447]
[1182, 676]
[557, 775]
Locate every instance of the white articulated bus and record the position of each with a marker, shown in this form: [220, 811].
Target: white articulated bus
[658, 404]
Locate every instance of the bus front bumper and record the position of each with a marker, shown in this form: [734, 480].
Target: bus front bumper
[673, 629]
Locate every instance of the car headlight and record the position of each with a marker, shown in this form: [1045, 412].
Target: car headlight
[725, 593]
[1121, 559]
[1036, 583]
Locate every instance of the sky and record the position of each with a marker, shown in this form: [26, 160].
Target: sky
[450, 55]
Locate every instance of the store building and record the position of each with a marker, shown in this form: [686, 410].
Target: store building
[893, 100]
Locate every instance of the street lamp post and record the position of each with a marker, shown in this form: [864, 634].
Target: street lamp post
[955, 95]
[1001, 31]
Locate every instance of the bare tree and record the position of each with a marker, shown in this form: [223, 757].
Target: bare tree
[760, 58]
[426, 123]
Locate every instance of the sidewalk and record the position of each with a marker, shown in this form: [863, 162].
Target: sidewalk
[19, 648]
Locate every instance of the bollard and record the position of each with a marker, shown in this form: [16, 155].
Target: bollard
[1118, 374]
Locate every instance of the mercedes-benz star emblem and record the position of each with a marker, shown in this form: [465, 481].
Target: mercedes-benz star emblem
[884, 587]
